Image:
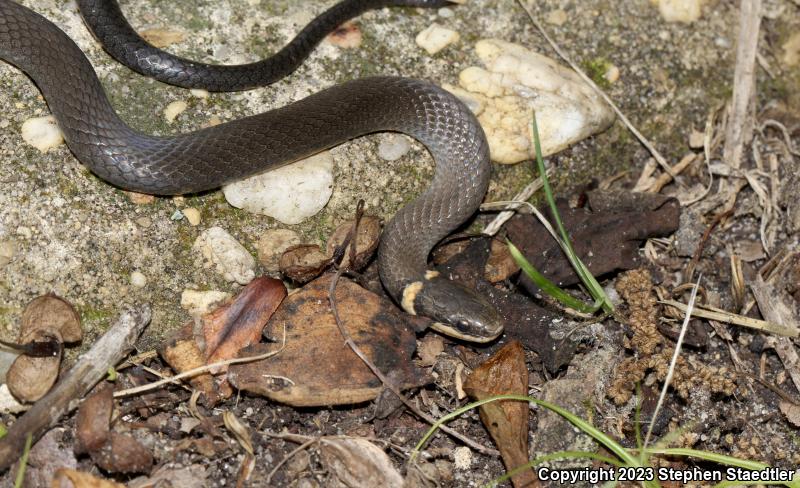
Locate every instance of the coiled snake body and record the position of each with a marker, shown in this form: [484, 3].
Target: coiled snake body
[207, 158]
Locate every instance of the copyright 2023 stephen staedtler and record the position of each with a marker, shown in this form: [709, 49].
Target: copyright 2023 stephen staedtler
[638, 474]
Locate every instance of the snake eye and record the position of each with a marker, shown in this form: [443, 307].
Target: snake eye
[462, 325]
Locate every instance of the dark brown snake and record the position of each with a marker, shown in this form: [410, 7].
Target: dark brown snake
[208, 158]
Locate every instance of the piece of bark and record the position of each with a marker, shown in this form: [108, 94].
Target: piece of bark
[506, 420]
[87, 372]
[355, 462]
[606, 237]
[323, 369]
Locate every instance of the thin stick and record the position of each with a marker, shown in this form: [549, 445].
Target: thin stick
[672, 364]
[377, 372]
[201, 369]
[521, 197]
[646, 143]
[87, 372]
[740, 126]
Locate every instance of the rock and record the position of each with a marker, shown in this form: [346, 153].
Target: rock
[162, 37]
[138, 279]
[201, 302]
[7, 251]
[199, 93]
[346, 36]
[697, 139]
[224, 253]
[290, 194]
[612, 74]
[435, 38]
[42, 133]
[272, 244]
[192, 216]
[686, 11]
[174, 109]
[393, 147]
[514, 82]
[140, 198]
[556, 17]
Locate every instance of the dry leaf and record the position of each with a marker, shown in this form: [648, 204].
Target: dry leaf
[50, 321]
[322, 368]
[69, 478]
[239, 430]
[369, 235]
[507, 420]
[357, 462]
[303, 263]
[791, 411]
[429, 349]
[221, 333]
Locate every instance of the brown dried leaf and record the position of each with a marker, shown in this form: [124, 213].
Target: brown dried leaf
[30, 378]
[69, 478]
[239, 430]
[791, 411]
[221, 333]
[357, 462]
[51, 313]
[169, 476]
[500, 265]
[429, 349]
[123, 454]
[506, 421]
[92, 429]
[369, 235]
[303, 263]
[325, 371]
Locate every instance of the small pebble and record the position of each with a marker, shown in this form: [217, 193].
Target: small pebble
[272, 244]
[686, 11]
[192, 215]
[556, 17]
[162, 37]
[176, 215]
[435, 38]
[138, 279]
[144, 222]
[201, 302]
[199, 93]
[7, 251]
[445, 12]
[346, 36]
[140, 198]
[221, 251]
[462, 457]
[42, 133]
[612, 74]
[174, 109]
[393, 147]
[697, 139]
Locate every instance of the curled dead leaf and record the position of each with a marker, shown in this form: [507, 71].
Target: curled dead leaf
[369, 235]
[47, 322]
[303, 263]
[506, 420]
[70, 478]
[355, 462]
[239, 430]
[791, 411]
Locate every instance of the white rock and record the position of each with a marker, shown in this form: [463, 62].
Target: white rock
[686, 11]
[192, 215]
[393, 147]
[290, 194]
[9, 404]
[7, 251]
[462, 457]
[224, 253]
[272, 244]
[42, 133]
[174, 109]
[435, 38]
[138, 279]
[201, 302]
[199, 93]
[556, 17]
[516, 81]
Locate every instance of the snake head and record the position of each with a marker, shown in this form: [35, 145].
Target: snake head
[457, 310]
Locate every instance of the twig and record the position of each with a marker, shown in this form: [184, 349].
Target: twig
[301, 447]
[713, 313]
[672, 364]
[521, 197]
[740, 126]
[202, 369]
[702, 244]
[87, 372]
[377, 372]
[646, 143]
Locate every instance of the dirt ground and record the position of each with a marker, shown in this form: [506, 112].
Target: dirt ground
[734, 392]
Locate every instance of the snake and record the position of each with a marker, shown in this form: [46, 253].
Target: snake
[208, 158]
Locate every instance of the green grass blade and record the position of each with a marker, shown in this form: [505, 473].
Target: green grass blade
[23, 462]
[548, 286]
[550, 457]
